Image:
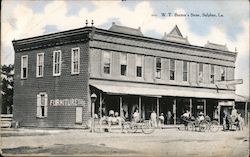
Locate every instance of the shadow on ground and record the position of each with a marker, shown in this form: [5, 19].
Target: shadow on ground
[68, 149]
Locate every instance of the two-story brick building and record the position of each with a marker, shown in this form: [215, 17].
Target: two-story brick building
[56, 73]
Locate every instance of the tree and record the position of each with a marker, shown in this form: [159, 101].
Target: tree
[7, 84]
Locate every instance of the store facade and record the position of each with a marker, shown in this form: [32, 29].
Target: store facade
[57, 73]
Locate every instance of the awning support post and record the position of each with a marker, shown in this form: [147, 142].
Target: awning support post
[205, 106]
[121, 106]
[140, 107]
[157, 108]
[246, 118]
[174, 111]
[219, 108]
[190, 106]
[100, 105]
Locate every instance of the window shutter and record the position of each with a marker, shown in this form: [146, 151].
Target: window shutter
[46, 106]
[38, 109]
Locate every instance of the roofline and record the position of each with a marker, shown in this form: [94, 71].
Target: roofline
[99, 30]
[164, 41]
[53, 35]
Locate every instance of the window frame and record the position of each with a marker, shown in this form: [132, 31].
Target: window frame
[172, 70]
[59, 64]
[126, 72]
[224, 68]
[200, 80]
[212, 74]
[38, 64]
[22, 63]
[103, 60]
[136, 65]
[73, 61]
[186, 72]
[158, 68]
[39, 105]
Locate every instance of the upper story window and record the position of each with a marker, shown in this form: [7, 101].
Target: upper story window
[75, 60]
[223, 73]
[24, 67]
[172, 69]
[42, 105]
[39, 64]
[212, 74]
[158, 68]
[106, 62]
[57, 63]
[200, 72]
[139, 62]
[185, 71]
[123, 62]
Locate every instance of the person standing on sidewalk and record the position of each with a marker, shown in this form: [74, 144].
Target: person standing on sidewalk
[153, 119]
[169, 117]
[161, 120]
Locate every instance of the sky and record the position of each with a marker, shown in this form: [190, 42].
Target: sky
[23, 19]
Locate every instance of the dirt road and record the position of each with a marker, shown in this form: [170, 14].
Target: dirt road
[166, 142]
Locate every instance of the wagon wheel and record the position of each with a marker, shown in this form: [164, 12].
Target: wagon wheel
[125, 126]
[130, 127]
[214, 126]
[190, 126]
[147, 127]
[203, 126]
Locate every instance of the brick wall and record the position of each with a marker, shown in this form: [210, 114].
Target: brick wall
[66, 86]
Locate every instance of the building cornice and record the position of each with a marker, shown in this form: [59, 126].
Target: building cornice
[26, 44]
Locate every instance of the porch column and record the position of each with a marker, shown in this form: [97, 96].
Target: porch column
[157, 110]
[205, 107]
[121, 105]
[174, 111]
[100, 109]
[157, 107]
[246, 118]
[219, 108]
[140, 113]
[190, 106]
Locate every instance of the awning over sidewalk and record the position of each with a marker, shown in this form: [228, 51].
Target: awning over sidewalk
[158, 92]
[239, 98]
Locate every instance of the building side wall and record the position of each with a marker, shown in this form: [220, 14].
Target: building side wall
[65, 86]
[149, 70]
